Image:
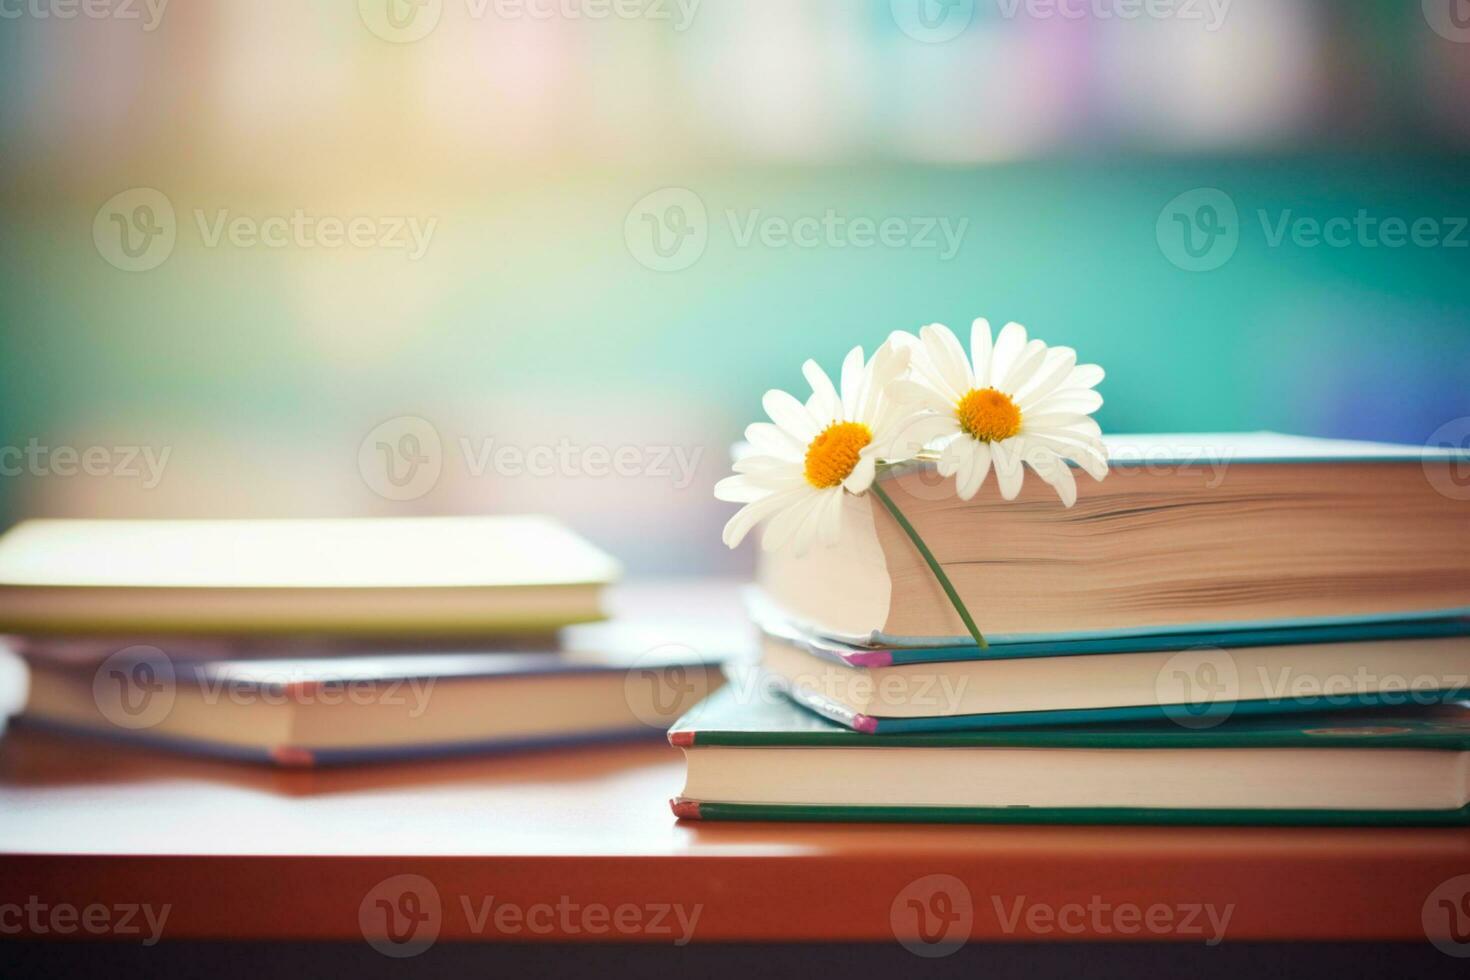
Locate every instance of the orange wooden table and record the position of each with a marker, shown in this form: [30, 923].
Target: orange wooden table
[243, 852]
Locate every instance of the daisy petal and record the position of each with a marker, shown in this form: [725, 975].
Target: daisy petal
[947, 359]
[824, 404]
[830, 530]
[914, 435]
[1081, 400]
[1050, 468]
[1008, 471]
[784, 525]
[1008, 346]
[912, 393]
[953, 456]
[852, 382]
[753, 513]
[1053, 371]
[1085, 376]
[972, 476]
[980, 351]
[862, 474]
[1041, 421]
[790, 415]
[772, 440]
[740, 490]
[1026, 365]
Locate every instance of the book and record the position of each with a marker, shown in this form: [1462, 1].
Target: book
[1188, 533]
[309, 711]
[1089, 681]
[438, 575]
[763, 758]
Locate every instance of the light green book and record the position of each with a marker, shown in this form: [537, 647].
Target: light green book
[404, 576]
[754, 756]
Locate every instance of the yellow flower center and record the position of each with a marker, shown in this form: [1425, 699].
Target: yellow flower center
[988, 415]
[833, 454]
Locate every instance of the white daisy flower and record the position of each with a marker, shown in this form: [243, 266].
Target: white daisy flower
[1005, 404]
[809, 455]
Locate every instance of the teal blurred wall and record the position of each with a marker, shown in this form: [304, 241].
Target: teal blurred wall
[533, 318]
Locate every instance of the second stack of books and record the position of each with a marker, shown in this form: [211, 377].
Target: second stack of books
[1229, 629]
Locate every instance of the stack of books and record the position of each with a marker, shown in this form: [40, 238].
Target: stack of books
[1228, 629]
[304, 642]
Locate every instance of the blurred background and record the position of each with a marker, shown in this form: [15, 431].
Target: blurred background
[394, 257]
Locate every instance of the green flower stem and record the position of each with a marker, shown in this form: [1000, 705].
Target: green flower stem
[954, 597]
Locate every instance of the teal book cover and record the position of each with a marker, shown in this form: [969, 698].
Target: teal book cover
[729, 720]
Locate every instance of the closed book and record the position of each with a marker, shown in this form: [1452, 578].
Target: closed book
[1187, 534]
[401, 576]
[763, 758]
[345, 708]
[1170, 676]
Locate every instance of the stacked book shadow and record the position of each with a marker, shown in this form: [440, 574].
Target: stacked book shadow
[304, 643]
[1229, 628]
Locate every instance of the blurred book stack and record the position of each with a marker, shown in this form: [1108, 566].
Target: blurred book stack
[1228, 629]
[306, 642]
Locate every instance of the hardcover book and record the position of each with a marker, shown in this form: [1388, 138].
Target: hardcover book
[763, 758]
[310, 711]
[406, 576]
[1187, 534]
[942, 688]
